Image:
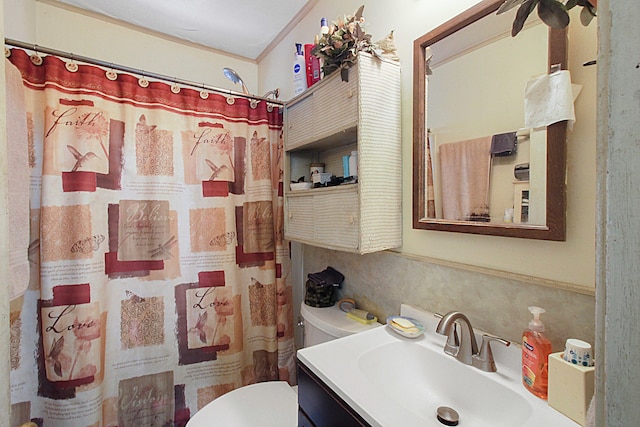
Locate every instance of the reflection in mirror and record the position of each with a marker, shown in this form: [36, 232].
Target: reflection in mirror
[484, 86]
[476, 168]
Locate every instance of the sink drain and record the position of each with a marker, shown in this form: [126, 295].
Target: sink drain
[448, 416]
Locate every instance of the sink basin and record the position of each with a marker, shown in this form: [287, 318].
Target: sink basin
[420, 380]
[391, 381]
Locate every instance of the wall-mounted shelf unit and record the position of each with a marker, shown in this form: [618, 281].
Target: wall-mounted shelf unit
[328, 121]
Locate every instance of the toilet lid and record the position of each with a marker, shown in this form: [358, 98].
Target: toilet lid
[267, 404]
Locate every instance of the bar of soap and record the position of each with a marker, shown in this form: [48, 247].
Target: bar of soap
[405, 325]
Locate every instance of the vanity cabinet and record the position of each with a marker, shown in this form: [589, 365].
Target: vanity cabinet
[329, 121]
[319, 406]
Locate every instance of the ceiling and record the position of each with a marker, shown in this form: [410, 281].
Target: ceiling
[240, 27]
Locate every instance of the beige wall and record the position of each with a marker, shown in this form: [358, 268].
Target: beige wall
[570, 262]
[67, 30]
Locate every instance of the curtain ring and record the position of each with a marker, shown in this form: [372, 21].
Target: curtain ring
[203, 93]
[231, 100]
[110, 74]
[269, 107]
[174, 87]
[142, 81]
[7, 52]
[72, 67]
[35, 56]
[253, 103]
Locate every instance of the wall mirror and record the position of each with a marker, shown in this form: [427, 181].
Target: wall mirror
[469, 81]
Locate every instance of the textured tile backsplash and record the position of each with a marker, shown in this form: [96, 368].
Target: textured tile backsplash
[496, 304]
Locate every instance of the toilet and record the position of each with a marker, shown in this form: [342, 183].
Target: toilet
[275, 403]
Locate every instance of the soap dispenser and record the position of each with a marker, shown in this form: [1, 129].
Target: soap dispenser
[536, 348]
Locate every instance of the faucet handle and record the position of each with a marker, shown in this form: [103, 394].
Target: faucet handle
[484, 360]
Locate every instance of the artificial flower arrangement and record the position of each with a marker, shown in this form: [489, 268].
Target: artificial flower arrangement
[551, 12]
[341, 44]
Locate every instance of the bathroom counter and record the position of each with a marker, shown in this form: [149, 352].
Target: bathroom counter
[393, 391]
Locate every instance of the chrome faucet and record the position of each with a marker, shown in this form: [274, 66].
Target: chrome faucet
[467, 345]
[464, 346]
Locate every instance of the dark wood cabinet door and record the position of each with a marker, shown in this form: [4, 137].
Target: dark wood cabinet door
[319, 406]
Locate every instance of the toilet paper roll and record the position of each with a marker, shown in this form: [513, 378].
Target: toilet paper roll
[578, 352]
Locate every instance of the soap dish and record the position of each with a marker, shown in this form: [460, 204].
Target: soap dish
[405, 326]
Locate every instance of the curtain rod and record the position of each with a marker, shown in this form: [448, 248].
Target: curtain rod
[126, 69]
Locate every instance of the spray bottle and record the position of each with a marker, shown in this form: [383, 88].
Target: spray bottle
[535, 355]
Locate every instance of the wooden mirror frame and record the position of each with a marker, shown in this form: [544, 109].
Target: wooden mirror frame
[555, 227]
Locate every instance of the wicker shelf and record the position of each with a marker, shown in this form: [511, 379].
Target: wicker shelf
[328, 121]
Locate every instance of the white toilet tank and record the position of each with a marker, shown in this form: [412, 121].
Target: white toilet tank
[328, 323]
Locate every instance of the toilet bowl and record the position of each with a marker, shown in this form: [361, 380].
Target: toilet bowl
[275, 403]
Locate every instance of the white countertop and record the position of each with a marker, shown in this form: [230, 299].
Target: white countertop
[338, 364]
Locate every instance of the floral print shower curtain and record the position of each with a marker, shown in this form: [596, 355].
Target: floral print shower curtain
[159, 275]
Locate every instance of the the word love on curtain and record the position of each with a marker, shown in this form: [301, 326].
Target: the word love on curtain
[159, 275]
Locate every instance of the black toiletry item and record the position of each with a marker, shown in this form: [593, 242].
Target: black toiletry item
[320, 287]
[504, 144]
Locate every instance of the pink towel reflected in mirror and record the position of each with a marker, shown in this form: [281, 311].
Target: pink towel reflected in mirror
[465, 169]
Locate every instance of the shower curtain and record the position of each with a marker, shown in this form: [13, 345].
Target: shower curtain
[159, 274]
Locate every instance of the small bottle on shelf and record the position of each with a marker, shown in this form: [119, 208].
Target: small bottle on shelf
[299, 71]
[324, 27]
[353, 164]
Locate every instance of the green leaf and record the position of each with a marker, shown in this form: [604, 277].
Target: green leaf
[590, 4]
[553, 13]
[586, 15]
[508, 5]
[521, 16]
[571, 4]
